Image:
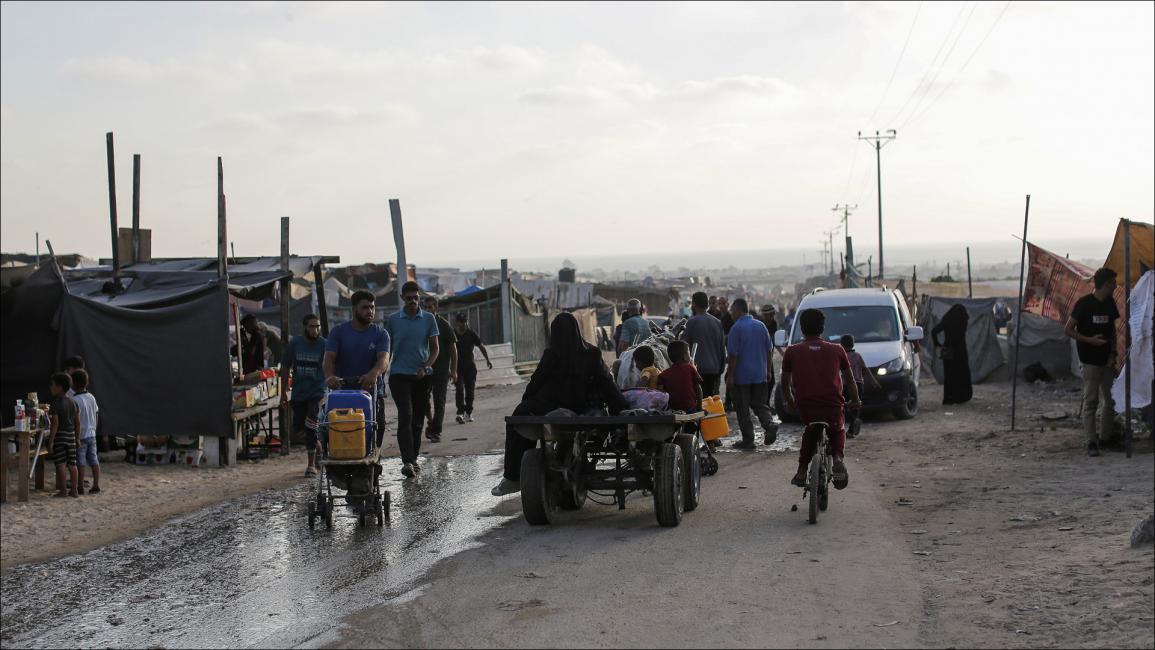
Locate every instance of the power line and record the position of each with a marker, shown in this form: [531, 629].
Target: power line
[896, 65]
[930, 84]
[964, 65]
[930, 67]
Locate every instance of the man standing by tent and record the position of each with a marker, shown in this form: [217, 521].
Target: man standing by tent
[303, 359]
[1092, 325]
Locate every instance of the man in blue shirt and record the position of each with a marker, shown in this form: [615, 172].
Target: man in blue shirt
[357, 355]
[635, 328]
[303, 358]
[749, 348]
[415, 350]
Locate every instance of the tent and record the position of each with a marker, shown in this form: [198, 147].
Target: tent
[156, 347]
[982, 342]
[1142, 313]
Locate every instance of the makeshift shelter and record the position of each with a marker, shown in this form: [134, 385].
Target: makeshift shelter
[156, 342]
[1041, 341]
[1142, 372]
[982, 342]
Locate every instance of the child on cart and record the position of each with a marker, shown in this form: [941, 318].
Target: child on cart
[681, 380]
[813, 374]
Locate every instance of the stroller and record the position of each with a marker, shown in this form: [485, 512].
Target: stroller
[348, 423]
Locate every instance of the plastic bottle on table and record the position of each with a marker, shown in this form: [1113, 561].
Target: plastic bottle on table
[20, 422]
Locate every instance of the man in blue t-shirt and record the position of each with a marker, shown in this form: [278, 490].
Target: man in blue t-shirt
[749, 347]
[302, 359]
[357, 355]
[415, 349]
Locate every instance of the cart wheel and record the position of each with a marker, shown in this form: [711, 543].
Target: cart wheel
[669, 491]
[379, 510]
[312, 509]
[360, 520]
[538, 493]
[691, 470]
[386, 502]
[328, 516]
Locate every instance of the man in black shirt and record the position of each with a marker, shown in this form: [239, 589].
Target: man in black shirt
[467, 339]
[1092, 325]
[445, 370]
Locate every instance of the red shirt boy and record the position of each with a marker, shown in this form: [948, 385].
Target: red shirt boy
[684, 385]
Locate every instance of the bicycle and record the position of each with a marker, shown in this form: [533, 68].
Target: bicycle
[821, 471]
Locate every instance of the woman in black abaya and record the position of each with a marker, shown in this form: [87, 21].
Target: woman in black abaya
[953, 352]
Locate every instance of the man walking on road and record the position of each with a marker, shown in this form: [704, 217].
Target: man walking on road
[749, 347]
[705, 331]
[444, 371]
[415, 350]
[1092, 325]
[466, 383]
[767, 314]
[357, 355]
[303, 359]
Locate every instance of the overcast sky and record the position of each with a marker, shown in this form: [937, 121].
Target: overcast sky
[534, 130]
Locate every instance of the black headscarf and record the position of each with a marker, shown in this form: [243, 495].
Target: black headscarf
[566, 342]
[956, 318]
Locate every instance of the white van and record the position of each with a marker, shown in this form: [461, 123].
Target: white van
[884, 335]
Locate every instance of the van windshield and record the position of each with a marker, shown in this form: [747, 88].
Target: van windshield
[865, 324]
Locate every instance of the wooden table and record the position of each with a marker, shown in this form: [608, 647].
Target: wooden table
[245, 419]
[24, 459]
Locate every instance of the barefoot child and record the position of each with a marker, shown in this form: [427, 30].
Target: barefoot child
[62, 436]
[87, 412]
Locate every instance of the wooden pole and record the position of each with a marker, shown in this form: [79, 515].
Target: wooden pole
[135, 208]
[1019, 315]
[970, 287]
[322, 306]
[399, 241]
[112, 206]
[286, 296]
[506, 304]
[222, 226]
[23, 448]
[1127, 336]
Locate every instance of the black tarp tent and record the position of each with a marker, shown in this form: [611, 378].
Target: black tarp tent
[157, 350]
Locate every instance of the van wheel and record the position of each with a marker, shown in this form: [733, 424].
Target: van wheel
[909, 407]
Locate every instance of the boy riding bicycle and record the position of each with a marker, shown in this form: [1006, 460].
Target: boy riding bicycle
[813, 374]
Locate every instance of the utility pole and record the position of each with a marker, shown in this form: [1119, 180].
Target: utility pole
[878, 140]
[845, 210]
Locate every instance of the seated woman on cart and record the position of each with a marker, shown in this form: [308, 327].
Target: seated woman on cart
[570, 375]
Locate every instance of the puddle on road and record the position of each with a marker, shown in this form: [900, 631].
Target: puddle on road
[250, 572]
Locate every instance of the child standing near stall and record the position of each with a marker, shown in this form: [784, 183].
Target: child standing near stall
[88, 412]
[63, 437]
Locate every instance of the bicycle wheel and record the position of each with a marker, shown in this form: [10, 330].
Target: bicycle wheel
[814, 481]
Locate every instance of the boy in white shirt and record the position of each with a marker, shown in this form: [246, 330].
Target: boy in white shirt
[86, 451]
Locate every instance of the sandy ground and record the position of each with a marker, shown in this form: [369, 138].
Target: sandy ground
[954, 533]
[135, 498]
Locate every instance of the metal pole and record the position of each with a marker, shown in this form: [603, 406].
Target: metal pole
[135, 208]
[1127, 336]
[286, 296]
[399, 241]
[1019, 315]
[112, 206]
[37, 250]
[970, 287]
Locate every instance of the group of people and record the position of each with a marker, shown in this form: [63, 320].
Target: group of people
[419, 351]
[572, 375]
[71, 440]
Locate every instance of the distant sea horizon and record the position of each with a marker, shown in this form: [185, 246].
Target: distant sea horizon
[900, 255]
